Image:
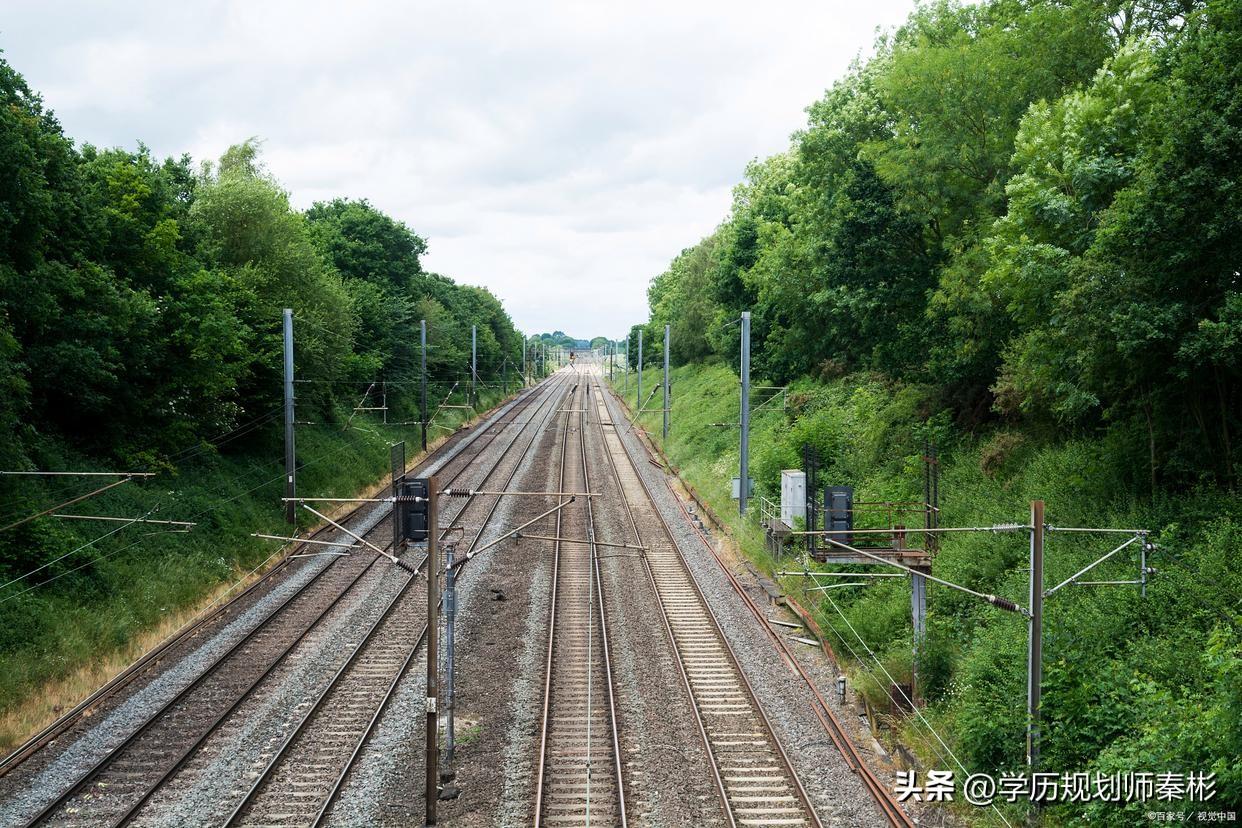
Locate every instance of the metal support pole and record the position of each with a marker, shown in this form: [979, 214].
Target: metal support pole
[639, 404]
[918, 612]
[431, 792]
[1035, 643]
[423, 337]
[291, 467]
[474, 364]
[396, 458]
[450, 618]
[626, 392]
[1143, 567]
[744, 465]
[525, 376]
[666, 330]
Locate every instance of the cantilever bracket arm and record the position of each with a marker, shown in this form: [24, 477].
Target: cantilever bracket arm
[517, 531]
[302, 540]
[582, 541]
[994, 600]
[358, 538]
[1071, 579]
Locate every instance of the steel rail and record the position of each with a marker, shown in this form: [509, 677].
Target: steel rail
[210, 670]
[547, 676]
[339, 782]
[327, 691]
[207, 672]
[596, 596]
[275, 761]
[154, 655]
[187, 753]
[710, 616]
[56, 728]
[603, 623]
[470, 552]
[832, 725]
[129, 813]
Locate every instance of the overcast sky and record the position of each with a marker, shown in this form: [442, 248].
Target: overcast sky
[559, 154]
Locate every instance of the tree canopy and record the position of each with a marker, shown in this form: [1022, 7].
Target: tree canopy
[140, 299]
[1031, 207]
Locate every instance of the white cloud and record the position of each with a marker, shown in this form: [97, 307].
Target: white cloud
[558, 153]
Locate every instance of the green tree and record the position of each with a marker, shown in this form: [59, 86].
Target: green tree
[248, 230]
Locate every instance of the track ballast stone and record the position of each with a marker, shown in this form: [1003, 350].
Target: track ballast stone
[838, 795]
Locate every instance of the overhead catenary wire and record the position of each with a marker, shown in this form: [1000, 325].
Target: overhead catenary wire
[69, 502]
[105, 556]
[994, 600]
[904, 695]
[74, 551]
[77, 474]
[127, 476]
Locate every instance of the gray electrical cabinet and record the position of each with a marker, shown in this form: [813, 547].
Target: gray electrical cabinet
[839, 513]
[793, 496]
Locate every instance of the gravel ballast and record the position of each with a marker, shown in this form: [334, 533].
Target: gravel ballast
[839, 796]
[91, 745]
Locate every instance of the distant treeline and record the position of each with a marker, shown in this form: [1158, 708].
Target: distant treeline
[1034, 208]
[564, 340]
[140, 299]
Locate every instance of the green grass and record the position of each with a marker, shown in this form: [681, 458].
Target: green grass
[1131, 683]
[140, 577]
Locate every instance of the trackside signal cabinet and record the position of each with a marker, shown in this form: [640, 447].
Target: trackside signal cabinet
[413, 514]
[839, 512]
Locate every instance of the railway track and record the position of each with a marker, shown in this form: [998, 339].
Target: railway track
[184, 640]
[112, 790]
[887, 804]
[579, 772]
[298, 783]
[889, 807]
[753, 776]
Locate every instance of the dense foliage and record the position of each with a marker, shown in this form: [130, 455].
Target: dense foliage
[1031, 205]
[564, 340]
[1015, 229]
[1131, 683]
[140, 329]
[140, 300]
